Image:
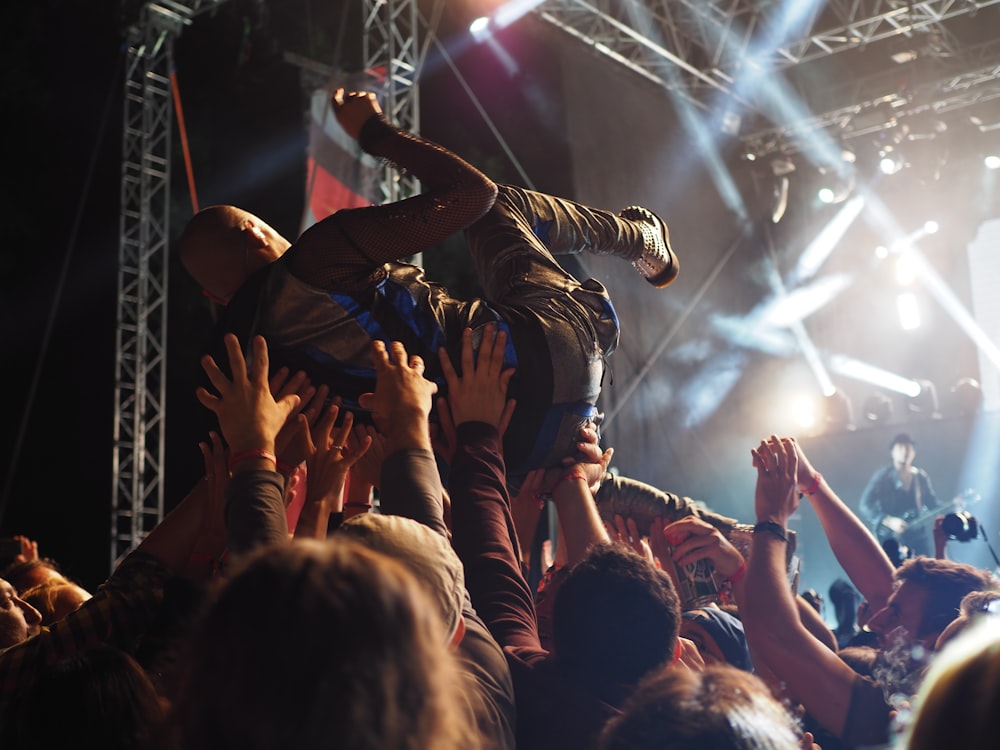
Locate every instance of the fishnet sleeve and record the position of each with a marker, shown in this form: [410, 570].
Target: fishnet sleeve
[347, 248]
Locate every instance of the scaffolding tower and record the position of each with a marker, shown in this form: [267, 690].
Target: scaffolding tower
[390, 44]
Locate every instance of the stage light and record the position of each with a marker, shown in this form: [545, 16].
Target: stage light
[992, 161]
[781, 167]
[878, 408]
[925, 403]
[931, 227]
[966, 397]
[479, 27]
[837, 181]
[881, 252]
[837, 412]
[803, 411]
[890, 161]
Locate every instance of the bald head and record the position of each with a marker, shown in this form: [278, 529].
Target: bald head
[222, 246]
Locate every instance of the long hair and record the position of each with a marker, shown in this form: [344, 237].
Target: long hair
[318, 644]
[99, 697]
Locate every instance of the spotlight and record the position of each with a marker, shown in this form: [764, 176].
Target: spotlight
[837, 188]
[890, 161]
[480, 28]
[925, 403]
[931, 227]
[992, 161]
[966, 397]
[878, 408]
[837, 412]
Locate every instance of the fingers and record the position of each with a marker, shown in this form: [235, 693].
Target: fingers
[506, 415]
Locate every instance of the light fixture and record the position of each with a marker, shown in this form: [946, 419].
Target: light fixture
[781, 167]
[992, 161]
[837, 412]
[890, 161]
[925, 403]
[966, 397]
[877, 408]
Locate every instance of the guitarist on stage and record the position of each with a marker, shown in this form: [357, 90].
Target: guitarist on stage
[898, 494]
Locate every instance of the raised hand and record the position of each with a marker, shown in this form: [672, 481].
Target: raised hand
[331, 454]
[402, 399]
[480, 394]
[248, 415]
[353, 109]
[290, 443]
[624, 532]
[367, 470]
[777, 464]
[206, 553]
[691, 539]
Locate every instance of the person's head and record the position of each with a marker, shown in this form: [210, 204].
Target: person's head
[223, 246]
[718, 635]
[99, 697]
[425, 553]
[956, 706]
[722, 708]
[845, 599]
[615, 619]
[313, 640]
[54, 599]
[902, 449]
[25, 574]
[969, 609]
[926, 598]
[18, 619]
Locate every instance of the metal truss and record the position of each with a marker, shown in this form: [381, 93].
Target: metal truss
[141, 331]
[390, 44]
[884, 112]
[701, 49]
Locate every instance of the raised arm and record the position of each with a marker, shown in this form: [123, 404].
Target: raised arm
[815, 676]
[454, 195]
[854, 546]
[409, 484]
[482, 528]
[250, 420]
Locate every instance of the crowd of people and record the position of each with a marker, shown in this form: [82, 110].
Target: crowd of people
[357, 568]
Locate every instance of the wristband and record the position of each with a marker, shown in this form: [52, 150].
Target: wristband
[560, 480]
[740, 573]
[774, 528]
[814, 487]
[252, 453]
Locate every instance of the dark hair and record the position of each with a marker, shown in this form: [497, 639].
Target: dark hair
[721, 708]
[902, 439]
[947, 582]
[614, 620]
[313, 643]
[99, 697]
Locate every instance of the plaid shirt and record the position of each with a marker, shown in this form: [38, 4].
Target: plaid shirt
[121, 610]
